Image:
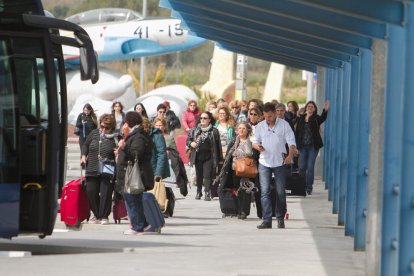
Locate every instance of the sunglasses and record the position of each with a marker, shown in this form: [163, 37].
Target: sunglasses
[204, 118]
[235, 107]
[104, 127]
[253, 114]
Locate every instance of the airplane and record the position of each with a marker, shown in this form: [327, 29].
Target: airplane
[121, 34]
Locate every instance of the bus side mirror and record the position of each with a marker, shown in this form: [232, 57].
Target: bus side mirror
[88, 64]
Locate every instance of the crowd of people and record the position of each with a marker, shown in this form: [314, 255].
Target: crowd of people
[216, 137]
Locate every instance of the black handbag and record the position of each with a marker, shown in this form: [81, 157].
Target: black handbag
[76, 131]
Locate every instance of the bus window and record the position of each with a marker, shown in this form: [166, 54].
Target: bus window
[8, 128]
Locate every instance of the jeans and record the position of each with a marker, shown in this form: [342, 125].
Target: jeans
[135, 209]
[307, 157]
[265, 176]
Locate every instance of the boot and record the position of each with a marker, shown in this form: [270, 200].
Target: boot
[207, 197]
[198, 196]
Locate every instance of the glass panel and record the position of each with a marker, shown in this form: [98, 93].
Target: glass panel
[8, 128]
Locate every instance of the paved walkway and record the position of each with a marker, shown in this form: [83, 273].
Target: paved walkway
[197, 241]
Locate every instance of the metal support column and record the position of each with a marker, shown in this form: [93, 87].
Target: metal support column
[393, 150]
[363, 150]
[343, 164]
[376, 149]
[327, 131]
[338, 139]
[332, 134]
[354, 114]
[406, 253]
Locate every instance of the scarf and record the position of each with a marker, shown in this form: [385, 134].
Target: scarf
[204, 132]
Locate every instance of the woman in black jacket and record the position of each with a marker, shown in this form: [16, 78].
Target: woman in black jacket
[138, 144]
[309, 140]
[86, 122]
[204, 143]
[100, 144]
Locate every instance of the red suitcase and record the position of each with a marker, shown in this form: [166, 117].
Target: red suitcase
[74, 205]
[180, 141]
[119, 210]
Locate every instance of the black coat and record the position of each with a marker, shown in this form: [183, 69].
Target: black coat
[137, 143]
[214, 136]
[89, 125]
[177, 166]
[315, 121]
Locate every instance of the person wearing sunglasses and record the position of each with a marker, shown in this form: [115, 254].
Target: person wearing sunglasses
[255, 116]
[140, 108]
[189, 117]
[235, 109]
[100, 144]
[206, 154]
[161, 112]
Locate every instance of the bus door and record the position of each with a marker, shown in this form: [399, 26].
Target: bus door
[34, 88]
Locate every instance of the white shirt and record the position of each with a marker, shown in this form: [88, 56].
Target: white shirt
[273, 140]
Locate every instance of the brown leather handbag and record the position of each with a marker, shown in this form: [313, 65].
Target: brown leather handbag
[246, 167]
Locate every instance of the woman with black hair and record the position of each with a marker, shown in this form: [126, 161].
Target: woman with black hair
[140, 108]
[309, 140]
[206, 154]
[85, 123]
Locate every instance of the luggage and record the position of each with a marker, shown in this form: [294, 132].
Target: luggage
[119, 211]
[244, 201]
[74, 205]
[295, 183]
[152, 213]
[228, 202]
[180, 141]
[169, 211]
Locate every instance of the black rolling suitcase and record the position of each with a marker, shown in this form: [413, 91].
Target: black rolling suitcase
[228, 202]
[153, 213]
[295, 183]
[169, 210]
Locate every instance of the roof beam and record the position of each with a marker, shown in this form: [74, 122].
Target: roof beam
[384, 11]
[263, 40]
[248, 45]
[282, 60]
[312, 15]
[246, 17]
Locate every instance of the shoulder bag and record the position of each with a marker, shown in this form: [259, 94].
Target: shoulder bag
[133, 180]
[105, 166]
[246, 167]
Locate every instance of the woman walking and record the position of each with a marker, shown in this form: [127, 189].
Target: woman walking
[206, 154]
[85, 123]
[309, 140]
[240, 147]
[224, 125]
[100, 145]
[119, 115]
[189, 117]
[137, 144]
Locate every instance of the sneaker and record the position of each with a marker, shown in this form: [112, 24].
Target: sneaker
[309, 192]
[132, 232]
[265, 225]
[280, 223]
[147, 228]
[94, 220]
[104, 221]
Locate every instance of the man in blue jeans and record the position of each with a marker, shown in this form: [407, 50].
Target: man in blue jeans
[270, 137]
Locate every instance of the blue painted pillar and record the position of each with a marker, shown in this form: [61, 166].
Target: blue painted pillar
[393, 128]
[343, 164]
[406, 249]
[332, 121]
[337, 146]
[327, 93]
[363, 149]
[354, 113]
